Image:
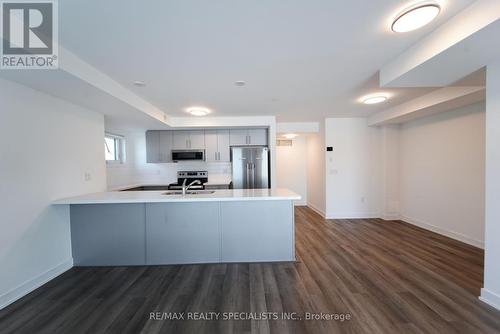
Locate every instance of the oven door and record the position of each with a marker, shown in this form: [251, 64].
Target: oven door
[183, 155]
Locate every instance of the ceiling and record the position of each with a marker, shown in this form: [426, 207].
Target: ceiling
[301, 60]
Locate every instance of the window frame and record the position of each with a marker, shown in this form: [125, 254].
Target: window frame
[119, 142]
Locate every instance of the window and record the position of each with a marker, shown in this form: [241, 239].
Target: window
[114, 148]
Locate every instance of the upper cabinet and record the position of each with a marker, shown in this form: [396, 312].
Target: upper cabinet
[158, 146]
[197, 140]
[180, 140]
[188, 140]
[216, 143]
[257, 136]
[223, 145]
[153, 146]
[166, 143]
[239, 137]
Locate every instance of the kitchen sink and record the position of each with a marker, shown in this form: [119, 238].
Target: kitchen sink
[191, 192]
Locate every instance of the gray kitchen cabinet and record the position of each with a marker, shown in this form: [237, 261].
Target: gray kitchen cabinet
[188, 140]
[239, 137]
[178, 233]
[197, 139]
[256, 231]
[217, 145]
[166, 138]
[108, 234]
[211, 149]
[257, 136]
[180, 140]
[152, 146]
[223, 145]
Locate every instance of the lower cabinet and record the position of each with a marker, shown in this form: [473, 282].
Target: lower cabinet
[257, 231]
[182, 233]
[107, 235]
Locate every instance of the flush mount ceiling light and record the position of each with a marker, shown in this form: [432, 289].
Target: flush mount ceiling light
[290, 135]
[240, 83]
[139, 83]
[416, 17]
[198, 111]
[374, 99]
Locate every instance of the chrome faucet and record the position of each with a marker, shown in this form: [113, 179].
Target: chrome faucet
[186, 188]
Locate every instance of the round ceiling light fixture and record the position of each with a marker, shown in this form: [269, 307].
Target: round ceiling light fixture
[240, 83]
[139, 83]
[415, 17]
[290, 135]
[198, 111]
[374, 99]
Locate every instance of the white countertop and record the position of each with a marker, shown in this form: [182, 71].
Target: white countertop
[116, 197]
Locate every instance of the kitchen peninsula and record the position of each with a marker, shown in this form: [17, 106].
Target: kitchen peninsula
[159, 228]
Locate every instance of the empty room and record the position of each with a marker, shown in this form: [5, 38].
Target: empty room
[190, 166]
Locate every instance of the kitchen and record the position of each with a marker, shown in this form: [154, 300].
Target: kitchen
[198, 218]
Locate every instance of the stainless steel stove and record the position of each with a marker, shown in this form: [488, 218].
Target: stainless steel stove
[190, 176]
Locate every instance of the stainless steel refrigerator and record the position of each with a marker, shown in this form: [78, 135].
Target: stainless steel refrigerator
[250, 167]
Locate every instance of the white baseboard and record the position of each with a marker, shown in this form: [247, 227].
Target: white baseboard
[299, 203]
[353, 215]
[391, 216]
[34, 283]
[317, 210]
[490, 298]
[445, 232]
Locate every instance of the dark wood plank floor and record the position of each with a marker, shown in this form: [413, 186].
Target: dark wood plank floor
[390, 277]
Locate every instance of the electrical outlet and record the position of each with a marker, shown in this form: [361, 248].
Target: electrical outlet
[88, 176]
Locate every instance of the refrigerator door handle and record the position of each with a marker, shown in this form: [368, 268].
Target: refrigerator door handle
[253, 175]
[248, 175]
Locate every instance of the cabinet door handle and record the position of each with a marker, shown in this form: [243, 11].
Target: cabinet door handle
[215, 155]
[218, 153]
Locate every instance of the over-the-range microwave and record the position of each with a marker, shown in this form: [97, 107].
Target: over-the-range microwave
[183, 155]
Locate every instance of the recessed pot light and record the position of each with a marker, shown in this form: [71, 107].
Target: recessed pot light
[374, 99]
[416, 17]
[198, 111]
[139, 83]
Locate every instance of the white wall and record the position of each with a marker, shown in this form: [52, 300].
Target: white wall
[442, 173]
[353, 168]
[316, 170]
[46, 147]
[390, 195]
[291, 167]
[135, 170]
[491, 291]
